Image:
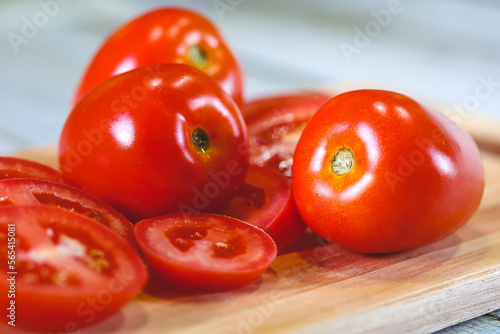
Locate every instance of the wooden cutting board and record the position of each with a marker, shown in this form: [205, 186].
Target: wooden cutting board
[316, 287]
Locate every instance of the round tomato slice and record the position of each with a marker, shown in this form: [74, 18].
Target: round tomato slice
[41, 192]
[275, 125]
[265, 200]
[62, 271]
[11, 167]
[166, 35]
[377, 172]
[205, 251]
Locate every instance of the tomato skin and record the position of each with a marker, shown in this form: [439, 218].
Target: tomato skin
[72, 293]
[416, 176]
[41, 192]
[140, 156]
[164, 35]
[192, 263]
[265, 200]
[275, 124]
[11, 167]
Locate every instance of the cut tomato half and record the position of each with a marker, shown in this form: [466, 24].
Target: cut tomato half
[11, 167]
[62, 271]
[265, 200]
[41, 192]
[275, 124]
[205, 251]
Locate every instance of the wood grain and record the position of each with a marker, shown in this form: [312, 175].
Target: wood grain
[316, 287]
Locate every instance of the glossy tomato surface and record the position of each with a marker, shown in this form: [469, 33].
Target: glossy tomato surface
[377, 172]
[41, 192]
[205, 252]
[166, 35]
[11, 167]
[68, 271]
[275, 124]
[155, 140]
[265, 200]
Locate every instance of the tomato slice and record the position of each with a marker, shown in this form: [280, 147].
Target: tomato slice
[205, 252]
[68, 271]
[275, 124]
[11, 167]
[265, 200]
[41, 192]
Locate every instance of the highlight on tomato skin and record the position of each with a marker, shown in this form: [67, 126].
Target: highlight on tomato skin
[377, 172]
[70, 271]
[41, 192]
[166, 35]
[275, 124]
[205, 252]
[265, 200]
[12, 167]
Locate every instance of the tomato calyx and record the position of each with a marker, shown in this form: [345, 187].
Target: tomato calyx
[198, 56]
[342, 161]
[200, 140]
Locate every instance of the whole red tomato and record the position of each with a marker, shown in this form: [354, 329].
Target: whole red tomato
[155, 140]
[377, 172]
[166, 35]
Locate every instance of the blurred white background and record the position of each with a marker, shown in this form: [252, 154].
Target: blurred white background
[436, 52]
[445, 53]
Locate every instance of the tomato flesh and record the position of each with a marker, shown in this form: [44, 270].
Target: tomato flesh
[275, 124]
[205, 251]
[265, 200]
[69, 271]
[377, 172]
[41, 192]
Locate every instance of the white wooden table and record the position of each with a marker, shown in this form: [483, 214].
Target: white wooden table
[443, 52]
